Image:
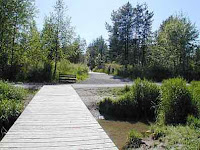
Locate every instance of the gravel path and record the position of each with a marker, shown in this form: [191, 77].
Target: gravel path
[102, 78]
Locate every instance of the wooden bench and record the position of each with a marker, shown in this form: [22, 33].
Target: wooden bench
[63, 78]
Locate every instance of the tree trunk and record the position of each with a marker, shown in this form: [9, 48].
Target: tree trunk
[12, 49]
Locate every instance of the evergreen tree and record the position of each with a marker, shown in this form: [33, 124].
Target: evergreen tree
[129, 34]
[97, 52]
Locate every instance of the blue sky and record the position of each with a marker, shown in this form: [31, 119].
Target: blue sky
[89, 16]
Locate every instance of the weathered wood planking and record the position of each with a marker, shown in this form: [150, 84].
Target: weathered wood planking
[56, 119]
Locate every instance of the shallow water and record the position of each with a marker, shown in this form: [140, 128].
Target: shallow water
[118, 130]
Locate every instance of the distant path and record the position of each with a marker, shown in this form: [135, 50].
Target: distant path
[102, 80]
[56, 119]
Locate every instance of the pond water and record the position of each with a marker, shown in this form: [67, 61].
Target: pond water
[118, 130]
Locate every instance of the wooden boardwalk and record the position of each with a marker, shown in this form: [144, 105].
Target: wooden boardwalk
[56, 119]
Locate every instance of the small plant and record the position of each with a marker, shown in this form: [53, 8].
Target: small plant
[134, 140]
[158, 131]
[175, 101]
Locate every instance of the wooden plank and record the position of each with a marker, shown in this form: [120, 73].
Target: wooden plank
[56, 118]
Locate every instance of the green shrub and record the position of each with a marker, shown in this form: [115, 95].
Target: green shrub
[9, 112]
[10, 109]
[134, 140]
[106, 106]
[7, 91]
[138, 101]
[157, 73]
[147, 96]
[122, 108]
[195, 93]
[193, 122]
[175, 101]
[126, 106]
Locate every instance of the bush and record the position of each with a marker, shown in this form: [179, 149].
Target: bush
[106, 106]
[157, 73]
[126, 106]
[9, 112]
[193, 122]
[139, 101]
[147, 96]
[122, 108]
[134, 140]
[195, 93]
[11, 105]
[7, 91]
[175, 101]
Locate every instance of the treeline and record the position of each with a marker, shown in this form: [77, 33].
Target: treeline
[27, 54]
[173, 50]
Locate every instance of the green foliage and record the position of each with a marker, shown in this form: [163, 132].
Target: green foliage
[8, 91]
[134, 140]
[176, 45]
[129, 34]
[175, 101]
[177, 137]
[139, 101]
[80, 70]
[106, 106]
[126, 106]
[32, 56]
[111, 68]
[147, 96]
[11, 105]
[97, 53]
[193, 122]
[10, 110]
[195, 93]
[122, 108]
